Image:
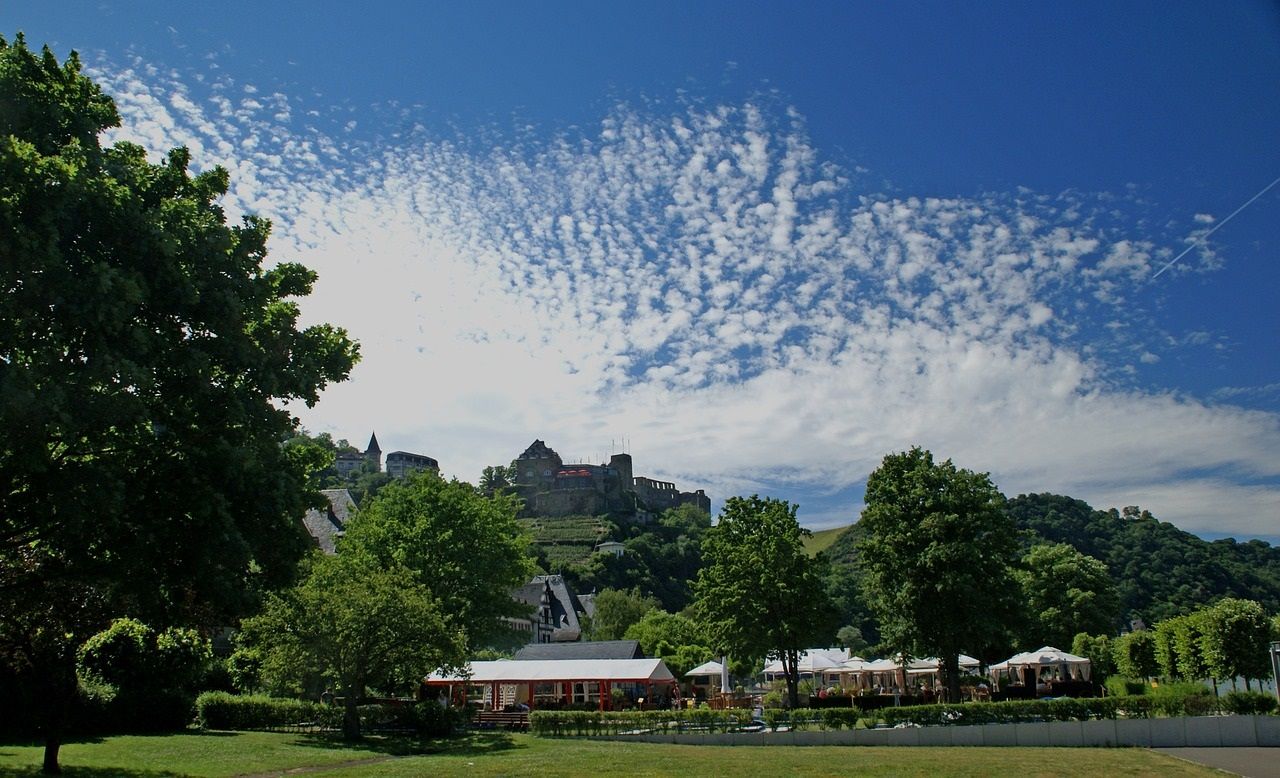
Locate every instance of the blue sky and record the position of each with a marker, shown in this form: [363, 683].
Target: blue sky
[763, 243]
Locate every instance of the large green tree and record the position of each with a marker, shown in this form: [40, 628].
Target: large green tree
[1066, 593]
[1234, 640]
[467, 550]
[351, 624]
[937, 554]
[759, 594]
[145, 357]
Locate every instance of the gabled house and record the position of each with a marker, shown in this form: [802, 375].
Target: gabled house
[554, 618]
[325, 525]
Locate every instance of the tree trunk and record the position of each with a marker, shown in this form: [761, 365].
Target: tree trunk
[790, 660]
[351, 717]
[52, 742]
[60, 695]
[951, 669]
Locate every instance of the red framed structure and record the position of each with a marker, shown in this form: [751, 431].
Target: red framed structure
[556, 682]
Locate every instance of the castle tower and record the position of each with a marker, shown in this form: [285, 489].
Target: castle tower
[373, 452]
[622, 463]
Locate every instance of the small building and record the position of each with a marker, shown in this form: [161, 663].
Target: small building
[554, 611]
[347, 462]
[402, 463]
[611, 547]
[554, 684]
[326, 524]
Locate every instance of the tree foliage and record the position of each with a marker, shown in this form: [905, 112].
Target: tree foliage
[152, 677]
[351, 624]
[467, 550]
[1135, 654]
[674, 638]
[145, 353]
[1100, 651]
[616, 612]
[1065, 593]
[937, 554]
[662, 558]
[1235, 639]
[759, 594]
[1160, 571]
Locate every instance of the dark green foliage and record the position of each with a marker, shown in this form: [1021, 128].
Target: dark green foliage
[1249, 703]
[1160, 570]
[466, 550]
[1065, 592]
[662, 558]
[223, 711]
[937, 555]
[616, 612]
[146, 353]
[149, 679]
[759, 593]
[220, 710]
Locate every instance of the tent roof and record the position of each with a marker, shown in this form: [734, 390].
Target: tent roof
[1045, 655]
[516, 671]
[707, 668]
[814, 660]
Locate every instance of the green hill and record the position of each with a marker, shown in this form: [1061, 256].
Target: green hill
[567, 539]
[822, 540]
[1160, 570]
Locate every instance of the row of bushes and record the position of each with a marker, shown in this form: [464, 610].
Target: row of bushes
[220, 710]
[586, 723]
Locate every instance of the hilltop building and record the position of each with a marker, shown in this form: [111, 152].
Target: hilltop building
[347, 462]
[549, 487]
[402, 463]
[399, 463]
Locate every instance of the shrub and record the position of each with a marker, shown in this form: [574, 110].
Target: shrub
[220, 710]
[840, 718]
[1249, 703]
[1120, 686]
[151, 676]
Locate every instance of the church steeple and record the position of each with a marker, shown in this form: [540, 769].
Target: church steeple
[373, 454]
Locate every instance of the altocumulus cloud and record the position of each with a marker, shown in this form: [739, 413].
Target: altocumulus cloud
[700, 280]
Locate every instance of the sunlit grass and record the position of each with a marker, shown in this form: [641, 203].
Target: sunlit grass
[492, 754]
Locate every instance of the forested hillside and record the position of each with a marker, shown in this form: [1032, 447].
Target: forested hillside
[1160, 570]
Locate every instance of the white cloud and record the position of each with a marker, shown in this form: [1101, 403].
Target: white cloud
[706, 287]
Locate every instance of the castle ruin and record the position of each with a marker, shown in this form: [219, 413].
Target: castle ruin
[551, 488]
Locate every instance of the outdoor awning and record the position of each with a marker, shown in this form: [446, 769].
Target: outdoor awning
[540, 670]
[706, 668]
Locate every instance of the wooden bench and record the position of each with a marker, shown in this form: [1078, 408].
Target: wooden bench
[494, 719]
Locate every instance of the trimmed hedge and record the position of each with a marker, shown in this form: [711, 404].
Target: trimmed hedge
[1142, 706]
[220, 710]
[573, 723]
[1249, 703]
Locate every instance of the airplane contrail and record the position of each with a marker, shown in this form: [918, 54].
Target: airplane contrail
[1200, 240]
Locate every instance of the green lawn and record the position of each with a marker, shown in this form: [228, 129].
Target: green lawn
[822, 540]
[232, 754]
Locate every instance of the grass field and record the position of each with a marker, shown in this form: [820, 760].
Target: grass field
[822, 539]
[262, 754]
